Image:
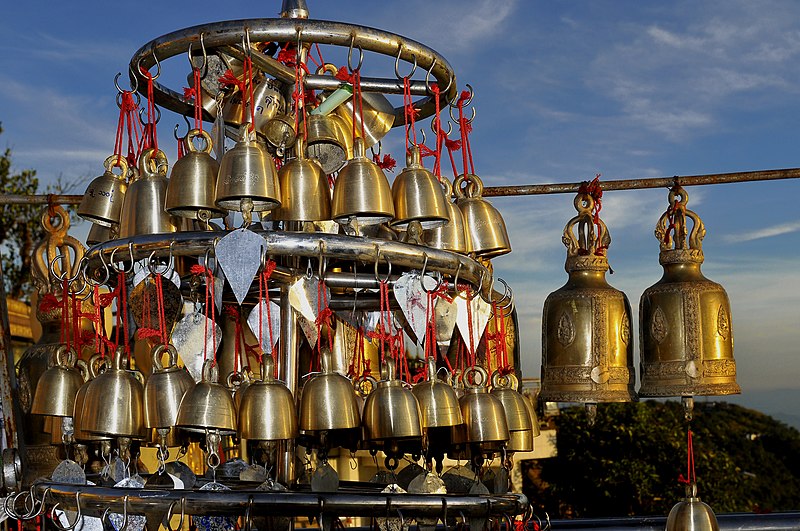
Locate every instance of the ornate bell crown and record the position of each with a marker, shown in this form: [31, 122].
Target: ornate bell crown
[586, 237]
[677, 244]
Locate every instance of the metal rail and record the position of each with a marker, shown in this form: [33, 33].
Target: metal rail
[727, 522]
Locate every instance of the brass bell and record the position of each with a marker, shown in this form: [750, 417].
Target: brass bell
[279, 133]
[114, 403]
[58, 385]
[102, 201]
[517, 410]
[267, 408]
[238, 382]
[268, 103]
[418, 195]
[486, 232]
[328, 404]
[361, 194]
[451, 236]
[95, 365]
[305, 193]
[484, 415]
[438, 403]
[391, 415]
[208, 405]
[247, 172]
[691, 514]
[165, 389]
[685, 328]
[375, 111]
[190, 192]
[99, 234]
[587, 352]
[143, 209]
[325, 141]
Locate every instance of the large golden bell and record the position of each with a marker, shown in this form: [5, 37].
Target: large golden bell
[484, 416]
[267, 408]
[326, 141]
[587, 352]
[208, 405]
[143, 209]
[57, 387]
[485, 229]
[190, 192]
[305, 193]
[361, 193]
[114, 402]
[391, 415]
[685, 328]
[247, 172]
[165, 389]
[418, 195]
[329, 404]
[451, 236]
[438, 403]
[691, 514]
[95, 365]
[517, 410]
[102, 201]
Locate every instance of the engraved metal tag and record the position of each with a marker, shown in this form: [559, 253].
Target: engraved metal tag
[193, 338]
[270, 321]
[239, 256]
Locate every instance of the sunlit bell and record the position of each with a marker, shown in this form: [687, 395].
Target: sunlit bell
[452, 235]
[391, 416]
[517, 410]
[58, 385]
[143, 209]
[165, 388]
[95, 365]
[268, 103]
[190, 192]
[208, 405]
[587, 350]
[691, 514]
[418, 195]
[267, 408]
[378, 117]
[279, 133]
[114, 403]
[305, 193]
[685, 327]
[325, 141]
[361, 194]
[102, 201]
[486, 232]
[484, 416]
[247, 172]
[329, 404]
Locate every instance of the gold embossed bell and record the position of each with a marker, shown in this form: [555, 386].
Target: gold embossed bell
[375, 111]
[325, 141]
[391, 418]
[517, 409]
[418, 195]
[95, 366]
[58, 385]
[691, 514]
[143, 209]
[114, 403]
[279, 133]
[484, 415]
[267, 408]
[190, 192]
[361, 194]
[587, 352]
[451, 236]
[269, 102]
[329, 405]
[247, 172]
[305, 193]
[165, 388]
[102, 201]
[208, 405]
[486, 232]
[685, 332]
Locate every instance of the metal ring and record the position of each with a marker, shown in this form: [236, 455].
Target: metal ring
[436, 125]
[428, 74]
[322, 267]
[397, 64]
[377, 261]
[350, 55]
[77, 516]
[246, 42]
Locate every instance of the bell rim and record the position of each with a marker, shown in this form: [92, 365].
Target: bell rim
[262, 204]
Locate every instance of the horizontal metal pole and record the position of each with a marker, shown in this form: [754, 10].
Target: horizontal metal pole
[727, 522]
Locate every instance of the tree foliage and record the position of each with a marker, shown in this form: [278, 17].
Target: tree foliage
[630, 461]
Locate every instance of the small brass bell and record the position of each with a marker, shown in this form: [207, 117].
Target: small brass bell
[190, 192]
[238, 382]
[452, 235]
[114, 403]
[165, 389]
[267, 408]
[102, 201]
[208, 405]
[685, 328]
[361, 194]
[268, 103]
[325, 141]
[305, 193]
[329, 404]
[94, 367]
[587, 352]
[486, 232]
[391, 416]
[143, 209]
[279, 133]
[517, 409]
[247, 172]
[439, 409]
[484, 415]
[378, 117]
[99, 234]
[418, 195]
[691, 514]
[58, 385]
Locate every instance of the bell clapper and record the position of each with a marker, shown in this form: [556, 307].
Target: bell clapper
[81, 455]
[213, 440]
[163, 449]
[688, 406]
[591, 413]
[246, 206]
[124, 449]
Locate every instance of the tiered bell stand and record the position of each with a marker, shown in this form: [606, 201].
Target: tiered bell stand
[361, 258]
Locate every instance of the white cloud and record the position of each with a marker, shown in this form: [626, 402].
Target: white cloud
[766, 232]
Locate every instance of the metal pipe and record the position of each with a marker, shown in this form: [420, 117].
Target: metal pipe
[289, 373]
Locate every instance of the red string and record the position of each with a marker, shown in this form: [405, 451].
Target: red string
[409, 112]
[382, 331]
[469, 327]
[209, 308]
[595, 190]
[150, 130]
[465, 128]
[358, 103]
[387, 163]
[127, 110]
[691, 476]
[324, 318]
[263, 295]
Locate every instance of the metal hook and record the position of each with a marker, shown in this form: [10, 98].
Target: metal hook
[322, 268]
[77, 516]
[424, 137]
[444, 513]
[471, 118]
[428, 85]
[177, 126]
[422, 277]
[350, 55]
[397, 64]
[91, 281]
[157, 112]
[170, 514]
[146, 73]
[204, 67]
[247, 517]
[114, 265]
[377, 261]
[436, 125]
[455, 279]
[154, 267]
[246, 42]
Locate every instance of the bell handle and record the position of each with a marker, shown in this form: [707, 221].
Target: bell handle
[153, 161]
[504, 381]
[471, 381]
[267, 368]
[329, 68]
[119, 362]
[447, 188]
[210, 371]
[116, 161]
[364, 385]
[197, 133]
[83, 367]
[468, 185]
[96, 362]
[158, 352]
[234, 379]
[139, 376]
[65, 357]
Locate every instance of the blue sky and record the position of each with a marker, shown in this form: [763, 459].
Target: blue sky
[564, 90]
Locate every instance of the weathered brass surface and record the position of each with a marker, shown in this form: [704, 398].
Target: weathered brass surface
[391, 412]
[143, 208]
[190, 192]
[305, 193]
[361, 191]
[438, 403]
[485, 229]
[691, 514]
[328, 401]
[165, 389]
[378, 117]
[452, 235]
[267, 408]
[114, 401]
[326, 141]
[483, 413]
[517, 412]
[102, 201]
[95, 365]
[247, 172]
[418, 195]
[208, 405]
[57, 387]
